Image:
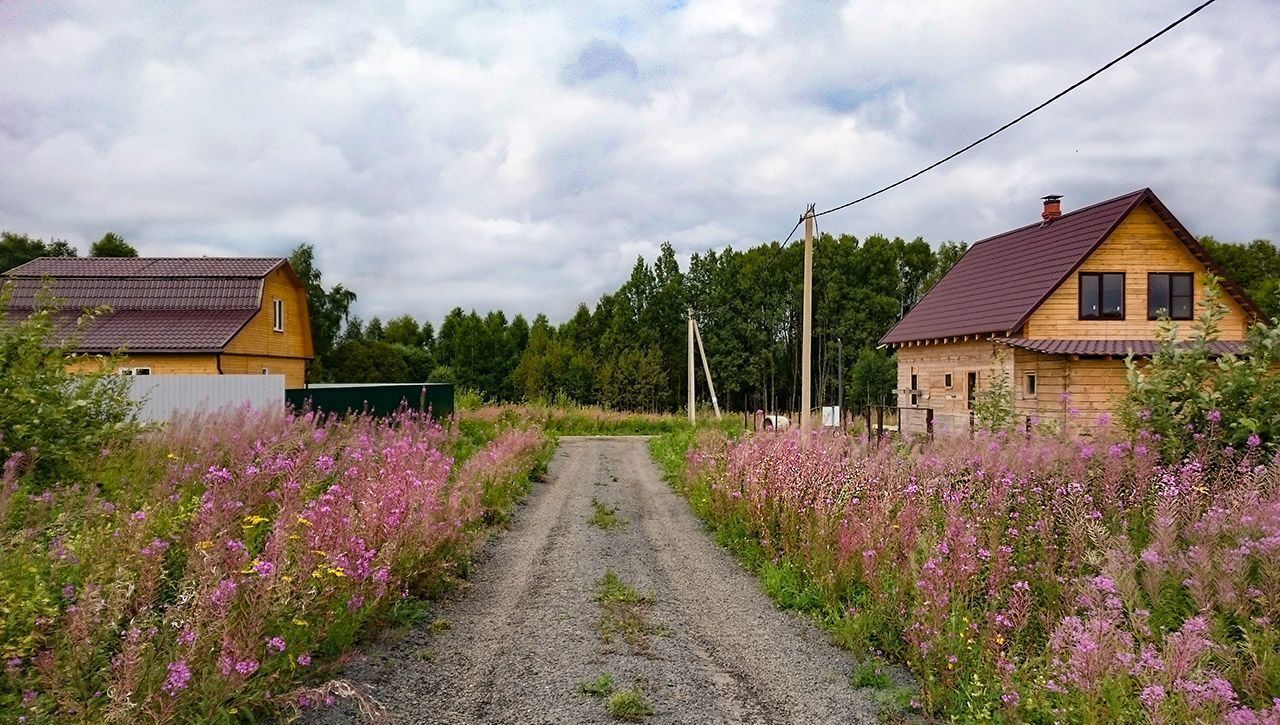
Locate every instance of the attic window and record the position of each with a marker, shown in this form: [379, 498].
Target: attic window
[946, 380]
[1169, 293]
[1102, 295]
[277, 309]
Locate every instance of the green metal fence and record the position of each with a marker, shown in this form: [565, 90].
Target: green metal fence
[376, 399]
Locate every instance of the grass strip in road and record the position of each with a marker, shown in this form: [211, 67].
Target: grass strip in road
[623, 612]
[605, 517]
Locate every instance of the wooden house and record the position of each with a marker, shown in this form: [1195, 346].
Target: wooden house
[1056, 306]
[200, 315]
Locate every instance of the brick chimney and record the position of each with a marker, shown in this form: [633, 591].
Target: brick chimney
[1052, 207]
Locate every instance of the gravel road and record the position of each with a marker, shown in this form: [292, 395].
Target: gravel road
[526, 630]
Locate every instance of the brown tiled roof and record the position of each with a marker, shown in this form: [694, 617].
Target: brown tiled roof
[135, 267]
[157, 304]
[1001, 280]
[1116, 348]
[145, 293]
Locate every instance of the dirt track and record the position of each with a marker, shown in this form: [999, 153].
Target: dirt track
[526, 630]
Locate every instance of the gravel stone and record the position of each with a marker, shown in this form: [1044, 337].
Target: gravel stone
[524, 631]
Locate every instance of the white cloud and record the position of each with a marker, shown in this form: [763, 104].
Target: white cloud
[522, 156]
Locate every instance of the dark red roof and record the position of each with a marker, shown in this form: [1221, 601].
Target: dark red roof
[135, 267]
[157, 304]
[1001, 280]
[1117, 348]
[145, 293]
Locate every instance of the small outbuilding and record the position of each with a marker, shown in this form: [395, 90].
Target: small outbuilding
[1056, 306]
[170, 315]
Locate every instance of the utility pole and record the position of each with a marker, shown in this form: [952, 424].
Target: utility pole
[692, 416]
[806, 341]
[706, 369]
[840, 381]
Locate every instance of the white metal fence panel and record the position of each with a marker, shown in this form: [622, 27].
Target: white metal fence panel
[164, 395]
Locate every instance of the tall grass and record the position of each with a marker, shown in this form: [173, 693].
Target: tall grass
[204, 572]
[1041, 579]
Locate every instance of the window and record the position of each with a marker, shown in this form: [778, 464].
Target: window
[972, 392]
[266, 371]
[1102, 295]
[277, 308]
[1031, 385]
[946, 380]
[915, 387]
[135, 371]
[1170, 293]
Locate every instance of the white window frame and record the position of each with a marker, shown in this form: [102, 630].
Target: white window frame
[277, 312]
[135, 371]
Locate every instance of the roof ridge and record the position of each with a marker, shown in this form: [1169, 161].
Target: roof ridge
[1073, 212]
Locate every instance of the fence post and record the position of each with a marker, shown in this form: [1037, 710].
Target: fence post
[879, 421]
[928, 422]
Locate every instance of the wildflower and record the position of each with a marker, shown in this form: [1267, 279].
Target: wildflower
[1254, 440]
[186, 636]
[276, 644]
[138, 515]
[1011, 698]
[179, 678]
[263, 569]
[247, 667]
[304, 659]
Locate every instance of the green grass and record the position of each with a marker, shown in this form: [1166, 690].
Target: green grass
[605, 517]
[623, 613]
[601, 686]
[629, 704]
[613, 589]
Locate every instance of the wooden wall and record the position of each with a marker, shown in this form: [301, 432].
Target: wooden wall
[931, 363]
[160, 363]
[259, 345]
[1141, 244]
[293, 369]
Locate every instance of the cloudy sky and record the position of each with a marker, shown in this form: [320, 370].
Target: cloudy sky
[520, 155]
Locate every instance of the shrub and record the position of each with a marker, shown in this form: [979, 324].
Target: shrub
[56, 421]
[1188, 398]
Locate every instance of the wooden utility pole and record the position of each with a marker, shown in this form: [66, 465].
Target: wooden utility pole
[840, 381]
[692, 416]
[706, 369]
[806, 341]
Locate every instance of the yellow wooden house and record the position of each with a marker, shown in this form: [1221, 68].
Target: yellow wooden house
[1056, 306]
[199, 315]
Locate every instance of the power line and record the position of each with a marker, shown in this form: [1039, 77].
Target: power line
[1026, 115]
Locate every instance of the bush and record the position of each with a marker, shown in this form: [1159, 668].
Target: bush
[1188, 398]
[52, 419]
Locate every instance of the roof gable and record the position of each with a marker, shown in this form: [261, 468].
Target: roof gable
[148, 267]
[1000, 281]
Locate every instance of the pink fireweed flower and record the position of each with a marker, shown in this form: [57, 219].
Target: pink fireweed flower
[276, 644]
[304, 659]
[179, 678]
[247, 667]
[216, 475]
[264, 568]
[186, 636]
[1254, 440]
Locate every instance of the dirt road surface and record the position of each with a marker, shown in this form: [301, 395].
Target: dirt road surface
[526, 630]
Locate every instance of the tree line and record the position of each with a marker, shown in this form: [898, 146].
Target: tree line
[628, 351]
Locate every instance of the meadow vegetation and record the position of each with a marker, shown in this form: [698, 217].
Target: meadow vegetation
[1021, 579]
[216, 569]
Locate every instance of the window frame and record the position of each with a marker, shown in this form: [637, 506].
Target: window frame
[915, 392]
[277, 315]
[1124, 282]
[947, 381]
[1030, 385]
[1191, 300]
[971, 383]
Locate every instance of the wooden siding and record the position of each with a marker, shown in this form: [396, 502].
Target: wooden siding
[293, 369]
[1142, 243]
[258, 336]
[160, 363]
[931, 363]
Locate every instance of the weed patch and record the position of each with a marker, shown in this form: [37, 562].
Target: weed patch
[601, 686]
[605, 517]
[629, 705]
[623, 613]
